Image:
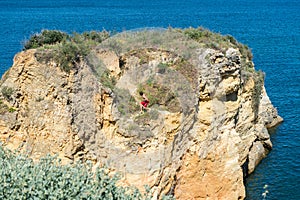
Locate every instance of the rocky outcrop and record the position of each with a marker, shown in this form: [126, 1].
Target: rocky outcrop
[206, 130]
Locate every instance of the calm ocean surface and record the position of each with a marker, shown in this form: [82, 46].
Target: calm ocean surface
[271, 28]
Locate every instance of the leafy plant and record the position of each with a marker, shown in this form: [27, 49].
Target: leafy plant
[21, 178]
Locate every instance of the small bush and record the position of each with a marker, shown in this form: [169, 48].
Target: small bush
[66, 50]
[70, 53]
[7, 92]
[45, 37]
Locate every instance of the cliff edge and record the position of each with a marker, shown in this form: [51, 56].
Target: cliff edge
[207, 127]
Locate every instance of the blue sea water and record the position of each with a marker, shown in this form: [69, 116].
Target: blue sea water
[271, 28]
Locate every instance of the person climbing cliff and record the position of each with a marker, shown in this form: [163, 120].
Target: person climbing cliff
[144, 103]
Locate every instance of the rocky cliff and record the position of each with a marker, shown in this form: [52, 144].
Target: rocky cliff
[205, 131]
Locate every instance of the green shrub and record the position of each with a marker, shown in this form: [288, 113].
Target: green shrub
[45, 37]
[21, 178]
[7, 92]
[70, 53]
[66, 50]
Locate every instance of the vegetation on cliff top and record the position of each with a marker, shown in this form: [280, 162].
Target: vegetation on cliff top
[64, 49]
[67, 49]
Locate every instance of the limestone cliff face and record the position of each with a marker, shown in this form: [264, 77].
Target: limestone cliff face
[206, 130]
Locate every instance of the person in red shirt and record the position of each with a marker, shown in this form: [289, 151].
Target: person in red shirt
[145, 102]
